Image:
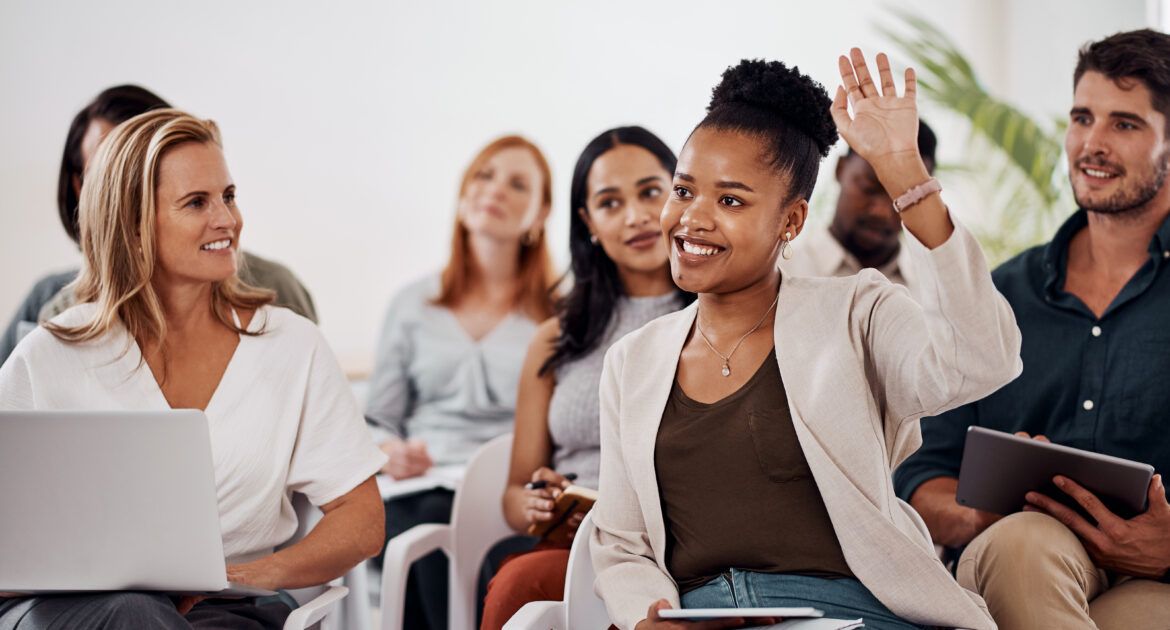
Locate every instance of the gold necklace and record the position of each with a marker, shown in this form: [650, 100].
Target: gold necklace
[726, 371]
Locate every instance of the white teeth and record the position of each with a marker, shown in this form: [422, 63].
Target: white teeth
[1095, 173]
[691, 248]
[217, 245]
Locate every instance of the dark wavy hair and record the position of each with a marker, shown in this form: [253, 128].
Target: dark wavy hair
[585, 313]
[114, 105]
[1143, 55]
[785, 109]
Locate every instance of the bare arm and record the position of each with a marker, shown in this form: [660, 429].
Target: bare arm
[352, 530]
[531, 443]
[950, 524]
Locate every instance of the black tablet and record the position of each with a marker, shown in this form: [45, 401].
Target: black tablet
[999, 468]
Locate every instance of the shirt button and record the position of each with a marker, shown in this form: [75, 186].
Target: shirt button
[1088, 405]
[1096, 331]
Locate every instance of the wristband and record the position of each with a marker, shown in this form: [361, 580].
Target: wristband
[916, 194]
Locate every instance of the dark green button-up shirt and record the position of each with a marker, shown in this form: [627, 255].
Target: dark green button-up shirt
[1098, 384]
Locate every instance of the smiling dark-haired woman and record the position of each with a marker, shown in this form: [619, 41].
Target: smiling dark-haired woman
[747, 441]
[621, 281]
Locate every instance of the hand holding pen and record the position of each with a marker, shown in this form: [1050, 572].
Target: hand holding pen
[541, 493]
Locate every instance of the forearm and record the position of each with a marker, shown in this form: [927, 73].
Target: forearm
[345, 536]
[950, 524]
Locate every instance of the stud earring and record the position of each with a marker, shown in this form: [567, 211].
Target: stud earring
[593, 238]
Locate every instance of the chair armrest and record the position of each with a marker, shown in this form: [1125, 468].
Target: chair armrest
[538, 615]
[316, 609]
[402, 551]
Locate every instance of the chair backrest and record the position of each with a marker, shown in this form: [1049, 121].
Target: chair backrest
[477, 524]
[583, 608]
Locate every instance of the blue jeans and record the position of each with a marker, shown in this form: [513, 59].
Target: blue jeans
[841, 598]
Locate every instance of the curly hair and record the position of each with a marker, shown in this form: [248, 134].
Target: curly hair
[785, 108]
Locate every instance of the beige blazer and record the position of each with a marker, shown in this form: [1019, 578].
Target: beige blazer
[862, 362]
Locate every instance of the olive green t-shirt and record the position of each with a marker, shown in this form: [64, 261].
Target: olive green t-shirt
[736, 488]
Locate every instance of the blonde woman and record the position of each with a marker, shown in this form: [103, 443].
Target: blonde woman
[452, 345]
[165, 323]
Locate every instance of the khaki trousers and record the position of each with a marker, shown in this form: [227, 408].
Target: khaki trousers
[1035, 574]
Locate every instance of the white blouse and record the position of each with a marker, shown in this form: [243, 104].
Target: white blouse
[282, 420]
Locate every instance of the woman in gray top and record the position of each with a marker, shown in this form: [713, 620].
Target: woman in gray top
[621, 282]
[451, 347]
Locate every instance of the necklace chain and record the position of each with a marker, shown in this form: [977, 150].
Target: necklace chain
[727, 359]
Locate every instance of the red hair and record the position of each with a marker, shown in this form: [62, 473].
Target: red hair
[536, 275]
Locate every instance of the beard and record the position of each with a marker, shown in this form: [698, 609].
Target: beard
[1131, 199]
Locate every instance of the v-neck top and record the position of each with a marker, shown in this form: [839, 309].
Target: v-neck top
[435, 383]
[282, 419]
[737, 491]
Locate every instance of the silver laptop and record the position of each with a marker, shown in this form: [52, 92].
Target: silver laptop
[110, 501]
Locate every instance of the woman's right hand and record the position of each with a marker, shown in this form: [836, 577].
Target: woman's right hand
[538, 503]
[408, 458]
[654, 622]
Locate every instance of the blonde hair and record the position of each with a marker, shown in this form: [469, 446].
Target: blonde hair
[537, 276]
[117, 216]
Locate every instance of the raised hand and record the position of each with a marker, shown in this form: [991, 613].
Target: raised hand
[883, 125]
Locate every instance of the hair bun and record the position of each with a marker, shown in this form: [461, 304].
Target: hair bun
[786, 92]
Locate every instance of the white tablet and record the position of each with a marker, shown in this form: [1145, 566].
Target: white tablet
[700, 614]
[999, 468]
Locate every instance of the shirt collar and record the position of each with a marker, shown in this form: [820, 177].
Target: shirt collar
[1056, 252]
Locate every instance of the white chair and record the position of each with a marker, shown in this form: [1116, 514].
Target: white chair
[322, 606]
[477, 524]
[581, 608]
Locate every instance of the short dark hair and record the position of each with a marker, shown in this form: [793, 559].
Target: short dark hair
[786, 109]
[927, 144]
[1143, 55]
[114, 105]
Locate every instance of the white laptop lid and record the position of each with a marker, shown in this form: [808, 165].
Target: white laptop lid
[108, 501]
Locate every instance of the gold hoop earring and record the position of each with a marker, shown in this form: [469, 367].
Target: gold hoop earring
[786, 246]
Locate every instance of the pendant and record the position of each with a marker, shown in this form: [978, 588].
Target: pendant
[726, 370]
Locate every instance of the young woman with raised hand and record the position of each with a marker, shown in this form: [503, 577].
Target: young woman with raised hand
[747, 441]
[621, 281]
[449, 357]
[164, 322]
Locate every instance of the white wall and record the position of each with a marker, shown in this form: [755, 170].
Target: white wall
[347, 126]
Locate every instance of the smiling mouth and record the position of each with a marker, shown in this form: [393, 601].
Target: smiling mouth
[1094, 172]
[697, 249]
[216, 246]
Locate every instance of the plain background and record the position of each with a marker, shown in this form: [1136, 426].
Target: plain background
[347, 125]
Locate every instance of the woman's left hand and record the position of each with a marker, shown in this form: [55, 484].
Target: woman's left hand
[884, 126]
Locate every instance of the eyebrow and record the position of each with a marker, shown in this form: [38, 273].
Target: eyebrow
[735, 186]
[640, 182]
[1130, 116]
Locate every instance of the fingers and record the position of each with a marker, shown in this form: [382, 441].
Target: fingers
[864, 80]
[849, 80]
[1157, 495]
[887, 79]
[1070, 518]
[1088, 500]
[911, 90]
[840, 109]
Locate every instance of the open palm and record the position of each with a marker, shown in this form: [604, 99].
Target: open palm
[883, 124]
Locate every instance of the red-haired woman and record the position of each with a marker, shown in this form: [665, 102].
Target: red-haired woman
[452, 345]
